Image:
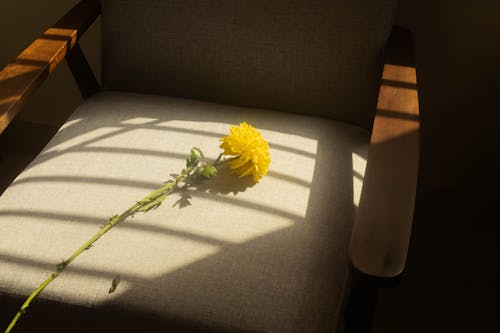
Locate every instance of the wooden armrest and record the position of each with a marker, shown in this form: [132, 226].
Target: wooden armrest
[20, 78]
[383, 222]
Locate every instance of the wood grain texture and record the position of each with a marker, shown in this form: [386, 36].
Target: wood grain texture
[20, 78]
[384, 218]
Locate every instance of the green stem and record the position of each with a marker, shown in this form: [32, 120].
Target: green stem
[217, 160]
[153, 199]
[164, 190]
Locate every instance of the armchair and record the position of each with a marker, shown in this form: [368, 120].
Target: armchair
[303, 250]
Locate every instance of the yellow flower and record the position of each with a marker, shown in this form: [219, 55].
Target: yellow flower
[250, 149]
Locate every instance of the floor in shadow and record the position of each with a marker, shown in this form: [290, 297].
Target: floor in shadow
[451, 281]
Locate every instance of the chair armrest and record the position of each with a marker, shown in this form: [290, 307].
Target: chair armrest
[383, 222]
[20, 78]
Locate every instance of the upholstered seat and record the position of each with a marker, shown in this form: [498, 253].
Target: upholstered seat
[271, 256]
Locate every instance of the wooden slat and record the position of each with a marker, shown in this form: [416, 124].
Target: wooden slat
[384, 218]
[20, 78]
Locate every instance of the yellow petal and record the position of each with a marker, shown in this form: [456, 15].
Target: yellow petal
[253, 151]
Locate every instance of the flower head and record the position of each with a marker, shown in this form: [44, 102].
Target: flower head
[250, 149]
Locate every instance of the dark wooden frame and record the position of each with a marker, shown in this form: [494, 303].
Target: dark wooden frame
[22, 76]
[383, 223]
[382, 227]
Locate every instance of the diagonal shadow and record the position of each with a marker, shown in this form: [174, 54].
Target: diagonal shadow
[237, 278]
[281, 277]
[212, 113]
[129, 224]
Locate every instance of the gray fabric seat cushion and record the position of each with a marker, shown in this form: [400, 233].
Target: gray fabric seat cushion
[267, 257]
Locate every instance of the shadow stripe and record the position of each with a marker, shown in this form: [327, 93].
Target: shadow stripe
[127, 224]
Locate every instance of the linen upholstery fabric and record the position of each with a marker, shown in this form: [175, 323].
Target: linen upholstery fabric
[230, 254]
[306, 56]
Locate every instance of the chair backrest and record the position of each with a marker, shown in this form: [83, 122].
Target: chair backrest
[320, 57]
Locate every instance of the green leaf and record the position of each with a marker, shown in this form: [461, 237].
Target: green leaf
[194, 157]
[193, 160]
[114, 284]
[199, 152]
[60, 266]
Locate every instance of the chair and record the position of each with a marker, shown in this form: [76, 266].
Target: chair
[305, 249]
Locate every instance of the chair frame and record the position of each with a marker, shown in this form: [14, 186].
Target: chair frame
[384, 218]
